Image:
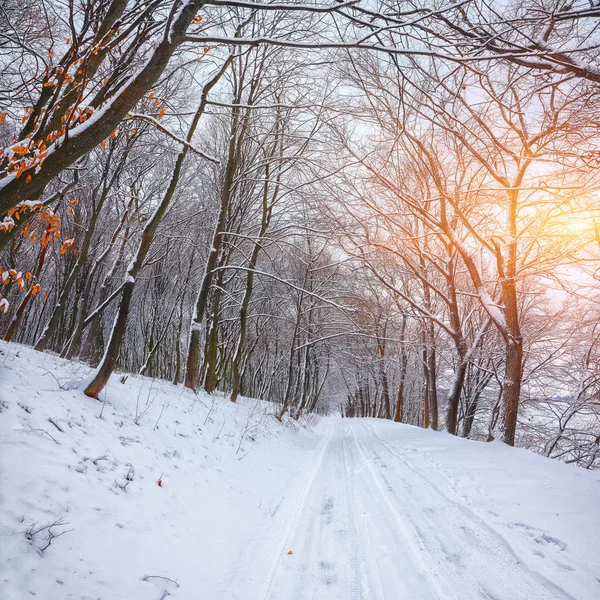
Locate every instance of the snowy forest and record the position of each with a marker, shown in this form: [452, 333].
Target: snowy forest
[376, 208]
[299, 299]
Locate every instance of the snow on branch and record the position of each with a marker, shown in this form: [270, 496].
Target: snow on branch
[283, 6]
[173, 136]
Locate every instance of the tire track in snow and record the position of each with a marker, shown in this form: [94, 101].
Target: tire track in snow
[356, 576]
[295, 521]
[410, 575]
[482, 544]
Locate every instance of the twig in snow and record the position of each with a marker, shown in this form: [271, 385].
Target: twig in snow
[55, 425]
[31, 429]
[32, 532]
[210, 410]
[146, 577]
[220, 430]
[137, 403]
[96, 460]
[161, 413]
[290, 423]
[248, 426]
[128, 478]
[6, 354]
[139, 416]
[55, 379]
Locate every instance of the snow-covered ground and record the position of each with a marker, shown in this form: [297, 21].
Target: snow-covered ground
[248, 508]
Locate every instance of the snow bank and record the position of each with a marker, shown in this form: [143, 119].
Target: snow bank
[546, 512]
[88, 467]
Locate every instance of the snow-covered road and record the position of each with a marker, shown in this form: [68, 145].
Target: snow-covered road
[377, 519]
[161, 493]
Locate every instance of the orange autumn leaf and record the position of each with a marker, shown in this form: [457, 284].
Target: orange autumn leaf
[290, 552]
[19, 149]
[65, 246]
[161, 114]
[35, 289]
[28, 179]
[2, 117]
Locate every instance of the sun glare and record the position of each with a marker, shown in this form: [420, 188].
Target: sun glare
[582, 224]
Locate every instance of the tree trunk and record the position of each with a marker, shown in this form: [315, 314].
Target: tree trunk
[514, 342]
[90, 350]
[455, 392]
[112, 351]
[398, 416]
[399, 404]
[426, 395]
[193, 358]
[512, 390]
[177, 374]
[212, 343]
[432, 384]
[111, 354]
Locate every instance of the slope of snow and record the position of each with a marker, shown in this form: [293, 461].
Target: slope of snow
[215, 492]
[370, 510]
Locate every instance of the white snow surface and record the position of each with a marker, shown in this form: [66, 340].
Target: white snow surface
[370, 510]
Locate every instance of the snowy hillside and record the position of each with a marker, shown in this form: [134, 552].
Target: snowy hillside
[155, 492]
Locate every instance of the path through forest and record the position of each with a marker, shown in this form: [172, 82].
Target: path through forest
[379, 519]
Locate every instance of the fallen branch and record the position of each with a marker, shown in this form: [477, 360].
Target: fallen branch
[31, 429]
[146, 577]
[56, 425]
[32, 532]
